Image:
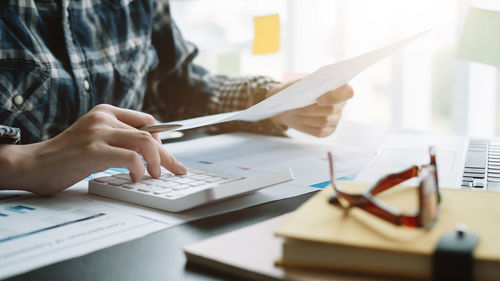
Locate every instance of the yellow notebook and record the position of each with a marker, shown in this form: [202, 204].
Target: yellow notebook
[320, 235]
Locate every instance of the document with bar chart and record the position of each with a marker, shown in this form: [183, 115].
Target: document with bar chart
[37, 231]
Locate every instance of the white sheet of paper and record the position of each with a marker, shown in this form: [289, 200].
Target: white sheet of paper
[37, 231]
[205, 120]
[246, 155]
[304, 92]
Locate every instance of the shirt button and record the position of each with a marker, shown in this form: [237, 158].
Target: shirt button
[86, 85]
[18, 100]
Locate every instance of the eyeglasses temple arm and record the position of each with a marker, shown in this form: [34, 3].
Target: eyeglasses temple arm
[432, 155]
[354, 199]
[393, 179]
[387, 214]
[332, 176]
[397, 178]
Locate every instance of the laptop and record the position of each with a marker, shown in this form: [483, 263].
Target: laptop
[462, 162]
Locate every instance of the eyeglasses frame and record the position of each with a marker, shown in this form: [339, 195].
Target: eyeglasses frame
[369, 203]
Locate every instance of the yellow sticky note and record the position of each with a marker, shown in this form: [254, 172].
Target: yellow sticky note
[266, 34]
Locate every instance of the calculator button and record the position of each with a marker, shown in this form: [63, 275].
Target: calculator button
[162, 186]
[104, 179]
[117, 182]
[168, 184]
[145, 188]
[123, 176]
[162, 191]
[146, 182]
[129, 186]
[200, 177]
[168, 177]
[180, 187]
[214, 179]
[196, 183]
[156, 181]
[183, 180]
[175, 194]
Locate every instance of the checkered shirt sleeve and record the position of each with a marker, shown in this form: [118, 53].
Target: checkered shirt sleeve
[237, 94]
[9, 135]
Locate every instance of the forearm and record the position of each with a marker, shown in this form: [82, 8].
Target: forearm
[30, 167]
[103, 138]
[12, 173]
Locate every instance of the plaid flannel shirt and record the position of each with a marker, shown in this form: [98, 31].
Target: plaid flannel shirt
[58, 59]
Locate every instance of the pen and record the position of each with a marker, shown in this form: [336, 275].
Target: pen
[160, 128]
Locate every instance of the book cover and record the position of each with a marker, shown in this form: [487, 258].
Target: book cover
[322, 236]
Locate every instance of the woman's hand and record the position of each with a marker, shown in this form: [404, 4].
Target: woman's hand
[105, 137]
[320, 119]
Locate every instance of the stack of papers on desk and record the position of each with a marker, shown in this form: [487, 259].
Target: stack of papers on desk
[36, 231]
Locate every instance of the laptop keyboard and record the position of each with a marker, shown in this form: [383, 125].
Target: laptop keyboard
[482, 165]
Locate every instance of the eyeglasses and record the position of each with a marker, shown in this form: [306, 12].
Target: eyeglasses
[428, 194]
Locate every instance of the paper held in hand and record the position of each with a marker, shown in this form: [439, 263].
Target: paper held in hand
[303, 93]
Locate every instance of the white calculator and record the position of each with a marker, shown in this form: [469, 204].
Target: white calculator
[178, 193]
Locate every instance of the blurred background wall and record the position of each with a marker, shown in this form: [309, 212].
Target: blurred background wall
[426, 86]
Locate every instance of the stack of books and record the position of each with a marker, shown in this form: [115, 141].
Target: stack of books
[320, 242]
[322, 236]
